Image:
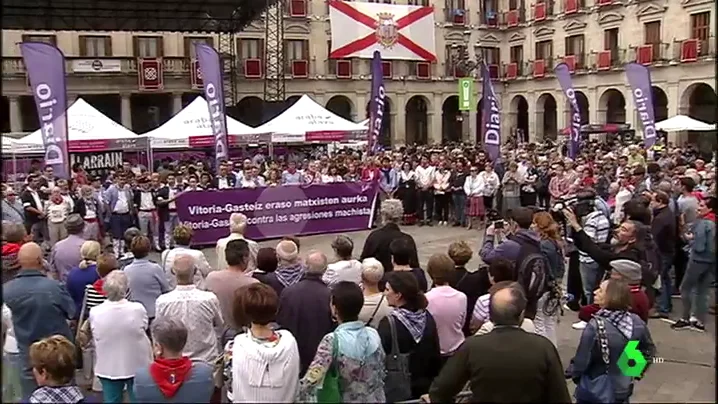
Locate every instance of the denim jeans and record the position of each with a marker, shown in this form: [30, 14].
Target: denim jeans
[460, 207]
[591, 275]
[27, 379]
[665, 305]
[694, 289]
[112, 390]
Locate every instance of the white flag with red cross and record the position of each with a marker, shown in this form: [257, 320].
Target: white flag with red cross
[398, 32]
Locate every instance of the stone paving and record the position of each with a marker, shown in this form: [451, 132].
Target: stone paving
[686, 375]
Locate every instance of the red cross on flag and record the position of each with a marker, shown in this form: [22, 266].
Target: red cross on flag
[398, 32]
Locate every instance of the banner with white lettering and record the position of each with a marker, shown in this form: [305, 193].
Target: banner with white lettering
[563, 75]
[491, 115]
[45, 66]
[97, 164]
[211, 67]
[376, 104]
[639, 78]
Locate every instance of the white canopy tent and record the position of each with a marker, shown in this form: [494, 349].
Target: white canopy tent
[192, 127]
[681, 123]
[364, 123]
[88, 130]
[308, 121]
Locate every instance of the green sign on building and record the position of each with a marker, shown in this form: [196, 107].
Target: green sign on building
[466, 94]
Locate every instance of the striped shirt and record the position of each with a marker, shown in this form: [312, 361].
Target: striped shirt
[597, 228]
[481, 309]
[96, 298]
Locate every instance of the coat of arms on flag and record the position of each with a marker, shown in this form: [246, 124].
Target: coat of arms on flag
[398, 32]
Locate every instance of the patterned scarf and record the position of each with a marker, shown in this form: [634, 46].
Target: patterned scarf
[620, 319]
[414, 321]
[289, 275]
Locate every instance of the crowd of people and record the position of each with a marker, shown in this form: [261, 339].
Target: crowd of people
[611, 235]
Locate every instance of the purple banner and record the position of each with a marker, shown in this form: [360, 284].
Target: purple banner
[376, 107]
[45, 66]
[211, 67]
[279, 211]
[491, 115]
[563, 74]
[639, 78]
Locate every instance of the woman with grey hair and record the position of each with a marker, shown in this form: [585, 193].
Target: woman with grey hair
[345, 268]
[377, 244]
[172, 377]
[119, 332]
[375, 306]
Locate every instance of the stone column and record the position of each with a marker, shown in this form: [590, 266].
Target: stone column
[470, 133]
[434, 120]
[126, 110]
[596, 113]
[398, 137]
[15, 114]
[537, 133]
[674, 100]
[176, 103]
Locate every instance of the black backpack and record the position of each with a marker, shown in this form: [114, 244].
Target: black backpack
[533, 273]
[650, 262]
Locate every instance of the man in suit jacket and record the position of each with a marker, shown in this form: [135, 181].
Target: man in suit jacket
[145, 202]
[225, 179]
[506, 357]
[167, 194]
[31, 199]
[120, 201]
[377, 244]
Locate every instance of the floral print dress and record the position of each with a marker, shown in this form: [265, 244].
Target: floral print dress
[359, 380]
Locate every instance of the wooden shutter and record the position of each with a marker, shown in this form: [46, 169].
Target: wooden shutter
[305, 50]
[700, 25]
[260, 51]
[83, 45]
[136, 46]
[652, 31]
[108, 46]
[160, 46]
[539, 51]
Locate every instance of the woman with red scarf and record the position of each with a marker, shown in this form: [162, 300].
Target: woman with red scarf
[172, 377]
[587, 179]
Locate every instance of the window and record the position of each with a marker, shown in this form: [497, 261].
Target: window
[331, 63]
[575, 46]
[700, 25]
[148, 47]
[295, 49]
[51, 39]
[516, 54]
[513, 4]
[492, 56]
[250, 48]
[454, 54]
[95, 46]
[544, 50]
[610, 43]
[385, 1]
[189, 44]
[652, 33]
[424, 3]
[489, 12]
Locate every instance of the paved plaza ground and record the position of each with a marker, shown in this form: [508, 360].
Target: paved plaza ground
[687, 374]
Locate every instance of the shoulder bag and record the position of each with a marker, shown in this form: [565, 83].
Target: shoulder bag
[330, 392]
[598, 389]
[378, 306]
[397, 385]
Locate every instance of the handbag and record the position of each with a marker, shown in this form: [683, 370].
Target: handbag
[598, 389]
[397, 384]
[330, 392]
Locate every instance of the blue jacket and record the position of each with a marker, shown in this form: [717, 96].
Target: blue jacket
[588, 360]
[197, 388]
[76, 281]
[703, 244]
[555, 258]
[40, 307]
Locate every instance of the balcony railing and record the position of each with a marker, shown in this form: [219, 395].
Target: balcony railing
[456, 16]
[514, 70]
[692, 50]
[14, 66]
[650, 53]
[490, 19]
[607, 59]
[569, 7]
[576, 61]
[513, 18]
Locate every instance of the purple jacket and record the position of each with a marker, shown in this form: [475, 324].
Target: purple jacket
[508, 249]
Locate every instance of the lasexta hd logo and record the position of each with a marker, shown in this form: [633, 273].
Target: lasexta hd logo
[632, 363]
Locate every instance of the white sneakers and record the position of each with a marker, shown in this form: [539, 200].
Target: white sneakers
[580, 325]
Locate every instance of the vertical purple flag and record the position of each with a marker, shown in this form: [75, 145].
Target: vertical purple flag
[45, 65]
[639, 78]
[211, 67]
[376, 104]
[563, 74]
[491, 115]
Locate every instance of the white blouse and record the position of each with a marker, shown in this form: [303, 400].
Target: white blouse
[473, 186]
[491, 182]
[120, 339]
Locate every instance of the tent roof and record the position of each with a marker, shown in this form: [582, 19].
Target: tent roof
[680, 123]
[308, 116]
[85, 122]
[194, 121]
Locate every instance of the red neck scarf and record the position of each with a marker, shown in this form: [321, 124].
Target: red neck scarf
[710, 216]
[98, 286]
[169, 374]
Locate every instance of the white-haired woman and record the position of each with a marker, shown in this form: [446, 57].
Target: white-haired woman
[375, 306]
[119, 332]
